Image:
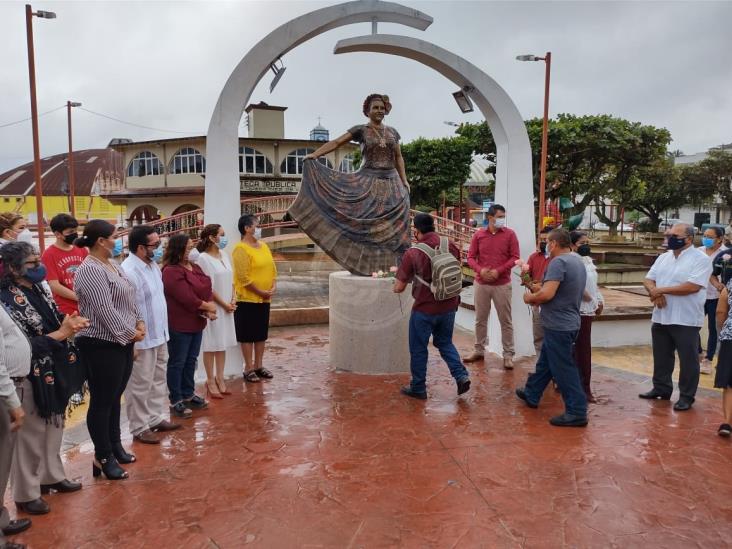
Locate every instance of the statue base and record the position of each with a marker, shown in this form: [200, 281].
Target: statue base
[369, 325]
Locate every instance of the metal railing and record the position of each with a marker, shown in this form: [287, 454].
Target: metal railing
[272, 213]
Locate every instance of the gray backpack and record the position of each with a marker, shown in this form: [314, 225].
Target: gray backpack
[447, 273]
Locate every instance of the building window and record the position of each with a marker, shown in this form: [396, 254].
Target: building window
[292, 164]
[253, 161]
[347, 164]
[188, 160]
[145, 163]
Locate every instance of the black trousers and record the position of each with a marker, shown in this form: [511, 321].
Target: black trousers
[109, 367]
[670, 338]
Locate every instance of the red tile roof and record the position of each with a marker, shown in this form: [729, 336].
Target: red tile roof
[102, 166]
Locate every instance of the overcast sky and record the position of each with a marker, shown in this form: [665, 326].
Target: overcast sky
[162, 64]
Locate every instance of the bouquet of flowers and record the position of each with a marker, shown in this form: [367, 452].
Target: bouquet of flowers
[523, 273]
[391, 273]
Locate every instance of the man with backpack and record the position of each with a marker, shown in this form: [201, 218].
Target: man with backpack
[433, 268]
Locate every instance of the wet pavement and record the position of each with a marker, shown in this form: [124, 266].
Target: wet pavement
[317, 458]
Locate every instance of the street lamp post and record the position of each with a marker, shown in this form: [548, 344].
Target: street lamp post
[72, 181]
[544, 134]
[34, 117]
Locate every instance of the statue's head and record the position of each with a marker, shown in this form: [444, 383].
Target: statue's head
[376, 106]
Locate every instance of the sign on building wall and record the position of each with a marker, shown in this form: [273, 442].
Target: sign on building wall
[274, 186]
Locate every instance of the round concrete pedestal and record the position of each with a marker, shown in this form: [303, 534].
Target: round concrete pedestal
[369, 325]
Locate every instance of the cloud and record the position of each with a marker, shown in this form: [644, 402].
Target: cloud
[162, 64]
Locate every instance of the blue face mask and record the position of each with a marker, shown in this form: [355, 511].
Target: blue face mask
[157, 254]
[118, 246]
[36, 275]
[223, 241]
[708, 242]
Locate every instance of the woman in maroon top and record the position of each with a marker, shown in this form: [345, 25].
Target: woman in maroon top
[189, 296]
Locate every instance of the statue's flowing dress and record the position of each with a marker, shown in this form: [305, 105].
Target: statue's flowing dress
[359, 219]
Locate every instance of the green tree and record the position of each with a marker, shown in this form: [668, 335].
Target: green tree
[434, 167]
[660, 187]
[713, 175]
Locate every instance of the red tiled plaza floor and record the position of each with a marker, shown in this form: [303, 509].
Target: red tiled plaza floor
[323, 459]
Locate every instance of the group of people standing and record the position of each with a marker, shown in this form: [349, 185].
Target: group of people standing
[77, 316]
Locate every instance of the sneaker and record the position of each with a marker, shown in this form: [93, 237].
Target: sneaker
[475, 357]
[725, 430]
[508, 363]
[407, 391]
[180, 410]
[463, 386]
[195, 403]
[568, 420]
[705, 367]
[522, 395]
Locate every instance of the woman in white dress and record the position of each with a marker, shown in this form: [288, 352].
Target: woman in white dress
[218, 334]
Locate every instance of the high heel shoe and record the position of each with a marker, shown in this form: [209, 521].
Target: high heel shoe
[222, 387]
[213, 393]
[121, 455]
[109, 467]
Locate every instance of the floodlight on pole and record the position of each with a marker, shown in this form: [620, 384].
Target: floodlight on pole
[34, 117]
[278, 72]
[70, 159]
[544, 134]
[462, 99]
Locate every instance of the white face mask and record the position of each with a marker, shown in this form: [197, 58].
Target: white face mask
[257, 233]
[193, 255]
[25, 236]
[499, 222]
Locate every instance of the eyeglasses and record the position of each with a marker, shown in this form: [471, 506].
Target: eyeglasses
[153, 246]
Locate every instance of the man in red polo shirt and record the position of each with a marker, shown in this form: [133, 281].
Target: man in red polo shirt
[537, 263]
[429, 317]
[493, 253]
[61, 260]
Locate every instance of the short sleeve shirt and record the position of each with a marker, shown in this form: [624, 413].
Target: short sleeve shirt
[378, 147]
[62, 265]
[562, 312]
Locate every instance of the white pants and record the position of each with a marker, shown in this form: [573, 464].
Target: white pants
[146, 395]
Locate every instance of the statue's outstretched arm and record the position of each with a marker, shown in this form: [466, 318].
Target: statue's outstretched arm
[330, 146]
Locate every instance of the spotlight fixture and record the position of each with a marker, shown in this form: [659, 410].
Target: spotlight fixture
[462, 99]
[278, 72]
[45, 14]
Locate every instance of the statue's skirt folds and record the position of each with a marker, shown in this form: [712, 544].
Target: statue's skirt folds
[359, 219]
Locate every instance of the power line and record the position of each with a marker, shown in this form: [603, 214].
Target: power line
[26, 119]
[134, 124]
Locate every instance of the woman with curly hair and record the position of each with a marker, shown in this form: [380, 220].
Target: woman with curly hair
[359, 219]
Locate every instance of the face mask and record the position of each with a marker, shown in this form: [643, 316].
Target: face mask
[118, 246]
[193, 255]
[257, 233]
[35, 275]
[223, 241]
[25, 236]
[499, 222]
[69, 238]
[708, 242]
[157, 254]
[542, 247]
[583, 250]
[485, 222]
[675, 242]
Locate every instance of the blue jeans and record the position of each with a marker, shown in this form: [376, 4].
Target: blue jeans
[557, 361]
[421, 327]
[183, 350]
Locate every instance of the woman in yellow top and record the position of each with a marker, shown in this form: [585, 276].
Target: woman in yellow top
[254, 282]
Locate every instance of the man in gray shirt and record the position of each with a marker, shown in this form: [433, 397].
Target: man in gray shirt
[560, 297]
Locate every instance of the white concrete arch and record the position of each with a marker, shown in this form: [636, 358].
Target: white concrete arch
[221, 201]
[514, 184]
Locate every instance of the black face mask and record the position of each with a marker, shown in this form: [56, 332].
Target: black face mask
[69, 238]
[583, 250]
[675, 242]
[542, 247]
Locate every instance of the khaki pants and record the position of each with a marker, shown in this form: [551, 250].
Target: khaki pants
[146, 395]
[538, 329]
[7, 445]
[37, 457]
[500, 297]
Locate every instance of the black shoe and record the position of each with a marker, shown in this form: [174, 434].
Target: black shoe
[407, 390]
[682, 405]
[65, 486]
[122, 455]
[109, 467]
[654, 394]
[37, 506]
[522, 395]
[195, 403]
[463, 386]
[180, 410]
[15, 527]
[568, 420]
[725, 430]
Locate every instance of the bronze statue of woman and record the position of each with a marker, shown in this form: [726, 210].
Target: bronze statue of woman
[359, 219]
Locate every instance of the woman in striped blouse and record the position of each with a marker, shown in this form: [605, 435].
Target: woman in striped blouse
[107, 299]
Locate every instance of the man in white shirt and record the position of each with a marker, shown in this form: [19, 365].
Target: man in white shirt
[147, 390]
[675, 286]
